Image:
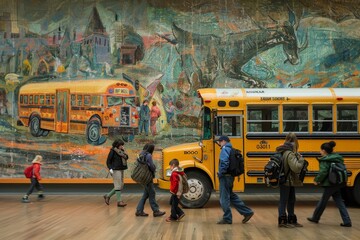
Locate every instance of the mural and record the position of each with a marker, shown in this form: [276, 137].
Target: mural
[74, 74]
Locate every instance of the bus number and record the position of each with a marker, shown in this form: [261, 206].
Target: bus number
[263, 145]
[121, 91]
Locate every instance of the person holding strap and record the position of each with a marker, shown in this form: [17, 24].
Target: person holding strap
[293, 163]
[117, 163]
[334, 191]
[227, 196]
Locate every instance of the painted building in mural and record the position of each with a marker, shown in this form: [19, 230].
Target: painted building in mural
[166, 50]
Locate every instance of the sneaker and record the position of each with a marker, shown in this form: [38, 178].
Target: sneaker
[169, 219]
[181, 217]
[158, 213]
[121, 204]
[25, 200]
[222, 221]
[247, 217]
[107, 199]
[345, 225]
[285, 225]
[141, 214]
[41, 196]
[312, 220]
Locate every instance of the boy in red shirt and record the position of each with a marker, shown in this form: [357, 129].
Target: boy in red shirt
[176, 190]
[36, 177]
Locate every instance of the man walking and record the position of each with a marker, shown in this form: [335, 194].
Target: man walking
[227, 196]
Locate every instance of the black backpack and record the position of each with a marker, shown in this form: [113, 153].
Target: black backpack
[236, 165]
[337, 173]
[274, 173]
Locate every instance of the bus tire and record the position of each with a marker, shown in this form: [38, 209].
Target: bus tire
[35, 129]
[45, 133]
[93, 131]
[200, 190]
[356, 191]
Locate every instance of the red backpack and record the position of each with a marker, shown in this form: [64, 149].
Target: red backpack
[28, 172]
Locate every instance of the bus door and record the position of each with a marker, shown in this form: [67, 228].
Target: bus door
[62, 110]
[230, 125]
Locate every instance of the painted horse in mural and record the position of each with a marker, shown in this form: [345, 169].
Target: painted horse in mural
[206, 58]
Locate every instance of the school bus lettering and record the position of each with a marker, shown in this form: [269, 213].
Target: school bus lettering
[121, 91]
[263, 145]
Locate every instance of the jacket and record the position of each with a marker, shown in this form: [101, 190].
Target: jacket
[149, 162]
[293, 163]
[155, 112]
[175, 180]
[325, 163]
[144, 113]
[36, 171]
[224, 161]
[115, 160]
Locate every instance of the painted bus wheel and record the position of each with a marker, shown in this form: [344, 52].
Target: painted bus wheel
[199, 192]
[35, 129]
[93, 132]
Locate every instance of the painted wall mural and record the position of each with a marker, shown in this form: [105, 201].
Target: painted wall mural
[74, 74]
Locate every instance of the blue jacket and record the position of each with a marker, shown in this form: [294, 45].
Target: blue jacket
[224, 159]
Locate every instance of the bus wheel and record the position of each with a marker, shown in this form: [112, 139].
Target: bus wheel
[35, 129]
[356, 190]
[93, 131]
[200, 190]
[45, 133]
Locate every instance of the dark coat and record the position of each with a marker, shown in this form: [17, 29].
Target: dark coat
[115, 161]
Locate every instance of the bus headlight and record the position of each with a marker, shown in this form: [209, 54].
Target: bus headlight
[114, 111]
[116, 119]
[168, 172]
[133, 120]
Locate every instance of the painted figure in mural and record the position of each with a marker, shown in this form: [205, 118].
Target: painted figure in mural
[170, 113]
[35, 180]
[334, 191]
[293, 163]
[155, 113]
[149, 190]
[227, 196]
[144, 118]
[117, 163]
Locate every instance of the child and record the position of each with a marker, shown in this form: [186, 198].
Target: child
[176, 190]
[35, 180]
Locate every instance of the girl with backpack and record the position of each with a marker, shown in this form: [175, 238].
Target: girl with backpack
[334, 191]
[293, 163]
[35, 180]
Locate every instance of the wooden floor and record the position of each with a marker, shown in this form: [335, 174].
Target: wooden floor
[87, 217]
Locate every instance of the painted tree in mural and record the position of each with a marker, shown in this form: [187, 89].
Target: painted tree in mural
[206, 58]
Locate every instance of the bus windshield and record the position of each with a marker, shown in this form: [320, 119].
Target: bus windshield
[113, 101]
[206, 123]
[130, 101]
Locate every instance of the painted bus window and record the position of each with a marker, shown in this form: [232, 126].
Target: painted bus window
[87, 100]
[295, 118]
[347, 118]
[322, 118]
[79, 100]
[36, 99]
[263, 118]
[41, 99]
[73, 100]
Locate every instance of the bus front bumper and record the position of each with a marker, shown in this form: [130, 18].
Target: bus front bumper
[163, 184]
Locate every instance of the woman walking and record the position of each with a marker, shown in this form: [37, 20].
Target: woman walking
[293, 163]
[149, 190]
[117, 163]
[334, 191]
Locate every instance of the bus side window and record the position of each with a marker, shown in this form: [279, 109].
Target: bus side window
[263, 118]
[87, 100]
[79, 100]
[322, 118]
[295, 118]
[73, 100]
[41, 99]
[347, 118]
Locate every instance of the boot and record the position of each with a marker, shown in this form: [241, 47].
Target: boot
[292, 220]
[283, 222]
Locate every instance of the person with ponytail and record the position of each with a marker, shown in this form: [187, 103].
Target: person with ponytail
[327, 157]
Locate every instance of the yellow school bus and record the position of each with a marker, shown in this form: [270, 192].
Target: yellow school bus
[257, 121]
[90, 107]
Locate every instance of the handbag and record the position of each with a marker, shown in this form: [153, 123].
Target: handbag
[141, 173]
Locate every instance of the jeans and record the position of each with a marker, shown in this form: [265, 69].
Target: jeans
[287, 200]
[175, 210]
[149, 192]
[144, 124]
[227, 197]
[35, 184]
[335, 193]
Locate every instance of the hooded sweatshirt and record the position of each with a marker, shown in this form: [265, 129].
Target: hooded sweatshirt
[293, 163]
[325, 163]
[175, 179]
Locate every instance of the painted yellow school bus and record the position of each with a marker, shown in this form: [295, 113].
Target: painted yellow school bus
[90, 107]
[257, 121]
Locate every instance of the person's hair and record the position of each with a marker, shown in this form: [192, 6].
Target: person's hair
[291, 138]
[149, 148]
[175, 162]
[328, 147]
[154, 103]
[145, 101]
[38, 158]
[117, 143]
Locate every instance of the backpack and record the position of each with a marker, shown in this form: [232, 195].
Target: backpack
[185, 184]
[236, 165]
[337, 173]
[274, 173]
[28, 172]
[141, 172]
